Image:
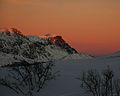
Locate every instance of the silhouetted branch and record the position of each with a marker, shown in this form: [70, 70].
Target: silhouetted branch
[26, 78]
[100, 84]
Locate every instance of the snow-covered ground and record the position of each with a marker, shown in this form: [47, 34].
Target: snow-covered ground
[68, 70]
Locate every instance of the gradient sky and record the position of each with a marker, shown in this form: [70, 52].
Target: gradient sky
[90, 26]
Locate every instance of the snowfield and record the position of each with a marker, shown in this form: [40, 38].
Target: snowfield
[66, 83]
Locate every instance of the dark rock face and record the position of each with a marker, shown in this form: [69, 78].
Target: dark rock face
[59, 41]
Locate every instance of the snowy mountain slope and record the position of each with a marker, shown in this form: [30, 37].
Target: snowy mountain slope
[55, 51]
[77, 56]
[14, 45]
[58, 48]
[115, 54]
[66, 83]
[112, 55]
[31, 48]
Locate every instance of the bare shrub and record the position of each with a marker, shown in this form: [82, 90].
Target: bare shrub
[117, 87]
[26, 79]
[100, 84]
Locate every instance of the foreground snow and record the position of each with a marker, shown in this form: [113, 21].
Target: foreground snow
[66, 83]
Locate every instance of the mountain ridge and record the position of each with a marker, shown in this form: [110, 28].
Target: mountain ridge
[15, 46]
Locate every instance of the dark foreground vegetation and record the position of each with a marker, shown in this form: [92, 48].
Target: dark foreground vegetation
[103, 83]
[26, 79]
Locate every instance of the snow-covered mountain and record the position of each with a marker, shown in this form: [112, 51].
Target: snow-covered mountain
[14, 47]
[112, 55]
[115, 54]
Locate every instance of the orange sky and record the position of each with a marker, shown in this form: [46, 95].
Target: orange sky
[90, 26]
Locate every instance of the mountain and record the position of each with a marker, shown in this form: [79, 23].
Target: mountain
[14, 47]
[113, 55]
[117, 54]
